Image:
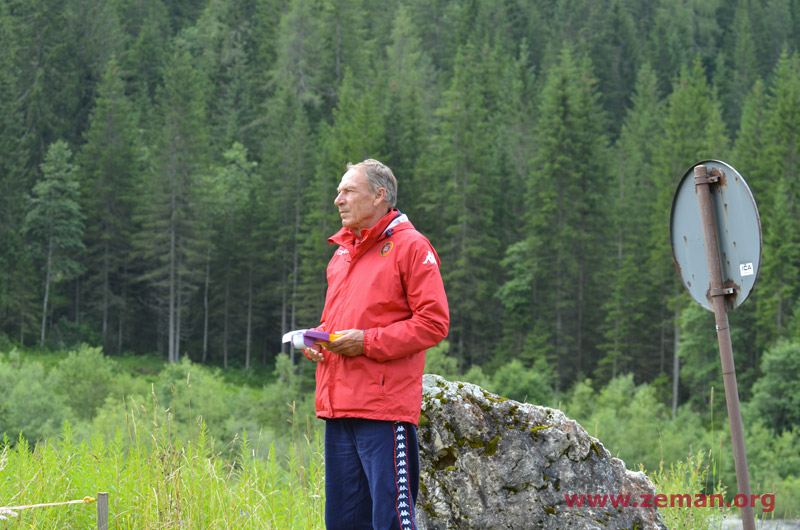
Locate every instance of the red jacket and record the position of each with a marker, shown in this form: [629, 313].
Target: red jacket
[389, 285]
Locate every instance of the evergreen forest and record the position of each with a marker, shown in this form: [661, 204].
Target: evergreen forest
[168, 170]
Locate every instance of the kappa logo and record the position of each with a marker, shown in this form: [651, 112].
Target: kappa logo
[386, 248]
[342, 252]
[430, 258]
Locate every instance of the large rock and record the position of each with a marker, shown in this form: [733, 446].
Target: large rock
[490, 463]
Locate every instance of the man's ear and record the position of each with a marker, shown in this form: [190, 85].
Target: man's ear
[380, 196]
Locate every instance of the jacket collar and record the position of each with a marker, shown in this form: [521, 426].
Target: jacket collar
[383, 228]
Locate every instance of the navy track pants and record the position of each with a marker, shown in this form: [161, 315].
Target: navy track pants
[371, 474]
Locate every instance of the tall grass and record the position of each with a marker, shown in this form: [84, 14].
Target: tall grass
[156, 480]
[690, 476]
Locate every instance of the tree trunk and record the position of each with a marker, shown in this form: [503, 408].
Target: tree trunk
[78, 300]
[284, 310]
[676, 367]
[249, 317]
[580, 309]
[205, 305]
[662, 342]
[178, 307]
[46, 291]
[295, 262]
[122, 309]
[225, 322]
[172, 279]
[105, 294]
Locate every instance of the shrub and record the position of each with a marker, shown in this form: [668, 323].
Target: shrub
[28, 405]
[282, 402]
[534, 385]
[437, 361]
[84, 379]
[476, 376]
[191, 393]
[632, 423]
[776, 394]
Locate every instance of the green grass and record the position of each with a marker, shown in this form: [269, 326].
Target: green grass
[690, 476]
[161, 482]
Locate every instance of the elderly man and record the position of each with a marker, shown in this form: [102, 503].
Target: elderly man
[386, 297]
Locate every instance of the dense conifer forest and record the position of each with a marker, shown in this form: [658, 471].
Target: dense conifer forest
[167, 176]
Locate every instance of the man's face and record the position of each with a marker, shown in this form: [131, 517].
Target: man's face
[358, 206]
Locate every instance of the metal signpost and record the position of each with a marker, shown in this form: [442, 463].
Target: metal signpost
[716, 243]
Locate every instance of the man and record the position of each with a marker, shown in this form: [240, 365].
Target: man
[385, 296]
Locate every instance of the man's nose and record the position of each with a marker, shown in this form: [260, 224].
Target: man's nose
[338, 200]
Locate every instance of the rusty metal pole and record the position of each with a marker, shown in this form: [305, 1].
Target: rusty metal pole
[718, 293]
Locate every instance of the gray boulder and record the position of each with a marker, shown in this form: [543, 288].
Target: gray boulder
[491, 463]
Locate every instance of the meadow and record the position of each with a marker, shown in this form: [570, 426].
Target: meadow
[155, 479]
[184, 446]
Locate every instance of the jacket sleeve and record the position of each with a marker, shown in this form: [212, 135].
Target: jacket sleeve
[430, 316]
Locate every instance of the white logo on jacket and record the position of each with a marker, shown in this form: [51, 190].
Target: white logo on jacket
[430, 258]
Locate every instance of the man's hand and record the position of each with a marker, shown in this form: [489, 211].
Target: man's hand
[314, 353]
[350, 344]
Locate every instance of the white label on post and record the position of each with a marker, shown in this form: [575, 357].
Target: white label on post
[746, 269]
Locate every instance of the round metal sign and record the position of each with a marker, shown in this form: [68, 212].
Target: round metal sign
[738, 233]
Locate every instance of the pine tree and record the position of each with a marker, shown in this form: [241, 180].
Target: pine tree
[607, 34]
[144, 62]
[39, 30]
[298, 50]
[356, 134]
[627, 310]
[679, 32]
[409, 99]
[347, 42]
[110, 167]
[745, 57]
[565, 225]
[54, 223]
[514, 161]
[515, 141]
[14, 274]
[61, 55]
[693, 131]
[289, 147]
[699, 354]
[222, 36]
[751, 142]
[778, 24]
[168, 242]
[464, 191]
[228, 196]
[778, 285]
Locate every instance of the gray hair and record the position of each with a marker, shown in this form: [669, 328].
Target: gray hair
[378, 176]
